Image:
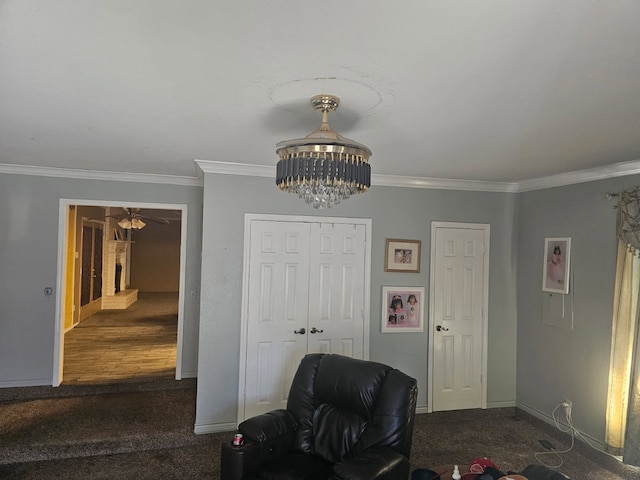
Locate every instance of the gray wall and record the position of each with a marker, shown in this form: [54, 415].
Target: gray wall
[155, 257]
[554, 363]
[29, 207]
[395, 213]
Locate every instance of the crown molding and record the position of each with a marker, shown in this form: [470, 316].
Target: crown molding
[442, 183]
[230, 168]
[99, 175]
[581, 176]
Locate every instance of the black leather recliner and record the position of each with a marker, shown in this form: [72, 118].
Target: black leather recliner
[345, 419]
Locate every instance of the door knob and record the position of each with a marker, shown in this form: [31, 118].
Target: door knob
[302, 331]
[441, 328]
[315, 330]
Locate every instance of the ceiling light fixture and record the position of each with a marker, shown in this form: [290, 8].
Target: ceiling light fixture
[131, 223]
[324, 167]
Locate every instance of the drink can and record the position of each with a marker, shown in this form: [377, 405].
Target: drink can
[238, 440]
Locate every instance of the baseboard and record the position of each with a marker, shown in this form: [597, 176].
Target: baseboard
[504, 404]
[43, 382]
[540, 415]
[215, 428]
[508, 404]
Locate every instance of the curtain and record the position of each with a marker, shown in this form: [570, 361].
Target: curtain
[622, 434]
[625, 313]
[631, 451]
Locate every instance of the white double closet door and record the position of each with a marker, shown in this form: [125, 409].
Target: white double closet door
[306, 285]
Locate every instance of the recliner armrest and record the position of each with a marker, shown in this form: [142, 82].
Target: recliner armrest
[237, 462]
[266, 437]
[269, 426]
[374, 464]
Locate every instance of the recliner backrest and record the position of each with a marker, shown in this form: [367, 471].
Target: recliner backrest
[344, 406]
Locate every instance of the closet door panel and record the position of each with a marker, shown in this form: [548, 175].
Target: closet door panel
[277, 309]
[336, 283]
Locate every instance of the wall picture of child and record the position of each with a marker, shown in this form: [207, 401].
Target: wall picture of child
[403, 309]
[556, 265]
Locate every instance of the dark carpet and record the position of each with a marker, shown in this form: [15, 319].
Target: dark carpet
[144, 430]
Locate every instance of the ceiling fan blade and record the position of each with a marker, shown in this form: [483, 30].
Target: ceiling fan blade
[132, 213]
[162, 221]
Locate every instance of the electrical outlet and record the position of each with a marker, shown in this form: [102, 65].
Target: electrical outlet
[567, 404]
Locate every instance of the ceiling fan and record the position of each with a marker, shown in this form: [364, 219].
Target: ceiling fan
[133, 219]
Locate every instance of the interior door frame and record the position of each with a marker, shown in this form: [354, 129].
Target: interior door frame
[244, 317]
[61, 287]
[91, 307]
[486, 229]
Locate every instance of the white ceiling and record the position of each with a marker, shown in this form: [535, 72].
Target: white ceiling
[495, 91]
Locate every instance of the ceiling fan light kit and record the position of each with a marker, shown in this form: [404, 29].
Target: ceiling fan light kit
[131, 223]
[324, 167]
[132, 219]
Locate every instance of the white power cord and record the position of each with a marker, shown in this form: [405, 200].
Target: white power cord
[570, 429]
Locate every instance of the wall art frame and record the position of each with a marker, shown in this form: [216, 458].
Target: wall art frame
[557, 263]
[402, 309]
[402, 256]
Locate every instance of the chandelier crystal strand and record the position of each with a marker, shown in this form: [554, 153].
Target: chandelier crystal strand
[323, 168]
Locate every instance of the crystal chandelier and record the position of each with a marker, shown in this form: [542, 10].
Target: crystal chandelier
[324, 167]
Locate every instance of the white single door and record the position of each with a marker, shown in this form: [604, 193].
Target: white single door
[306, 293]
[336, 286]
[459, 296]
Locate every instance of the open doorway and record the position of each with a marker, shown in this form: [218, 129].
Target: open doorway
[136, 330]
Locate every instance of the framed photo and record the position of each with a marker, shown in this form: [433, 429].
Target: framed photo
[402, 309]
[402, 256]
[557, 259]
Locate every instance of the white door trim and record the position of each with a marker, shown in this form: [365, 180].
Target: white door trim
[92, 307]
[486, 229]
[244, 317]
[63, 209]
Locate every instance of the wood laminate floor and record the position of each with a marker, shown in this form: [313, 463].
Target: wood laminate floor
[120, 345]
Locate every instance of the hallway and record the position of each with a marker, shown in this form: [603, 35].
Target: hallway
[124, 345]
